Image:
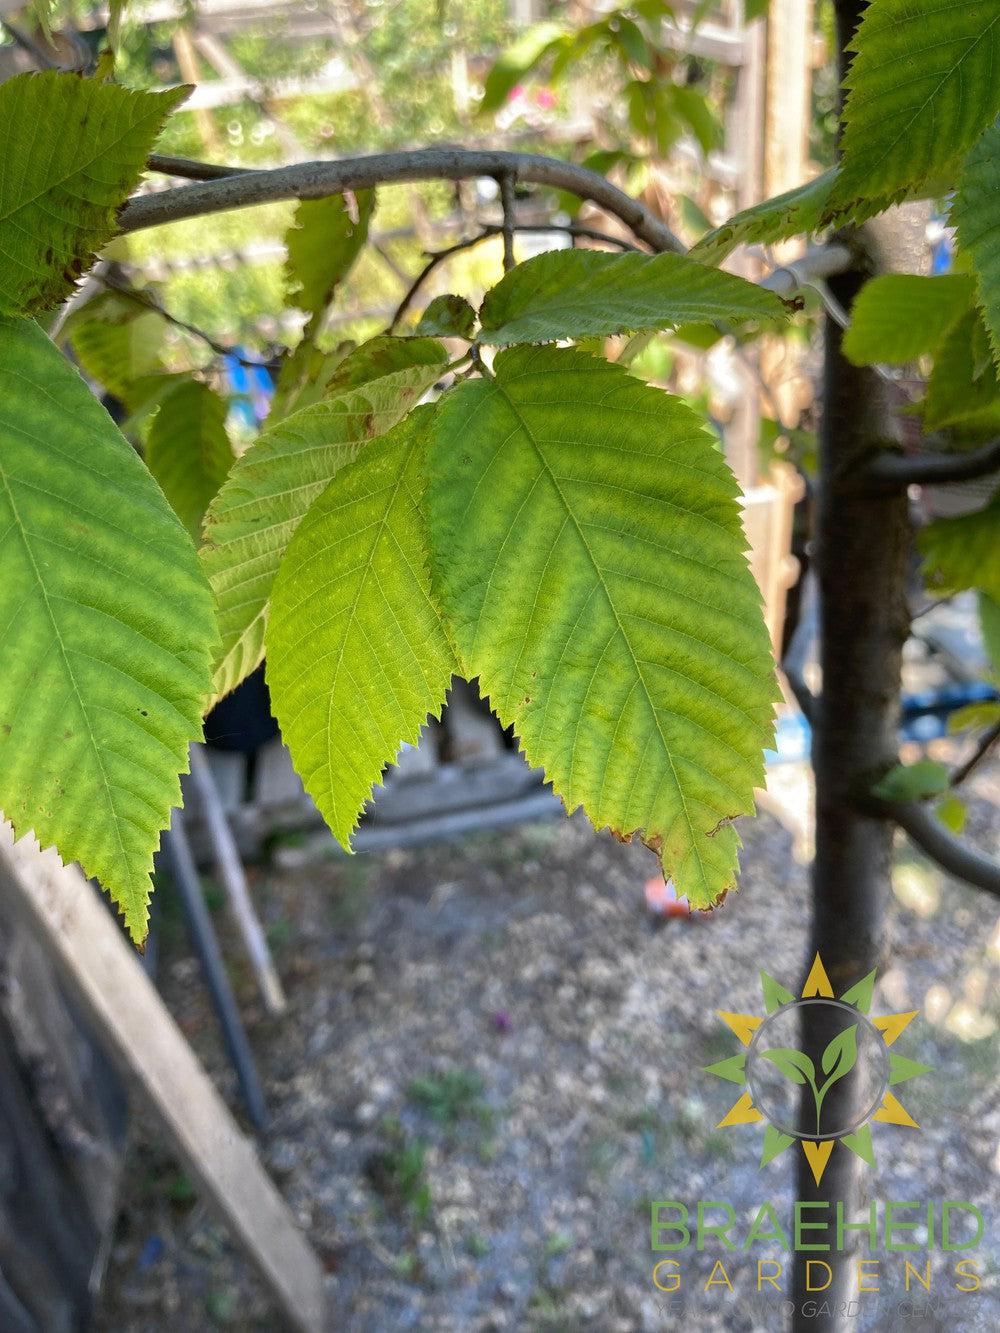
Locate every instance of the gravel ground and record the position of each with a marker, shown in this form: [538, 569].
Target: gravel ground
[491, 1064]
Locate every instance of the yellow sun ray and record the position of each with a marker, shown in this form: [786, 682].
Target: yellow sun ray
[817, 982]
[742, 1112]
[744, 1025]
[891, 1025]
[817, 1155]
[893, 1112]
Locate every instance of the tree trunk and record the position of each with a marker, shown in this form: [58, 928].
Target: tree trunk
[862, 542]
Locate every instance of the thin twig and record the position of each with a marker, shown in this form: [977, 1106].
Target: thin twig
[899, 470]
[184, 168]
[29, 46]
[134, 294]
[931, 606]
[987, 741]
[434, 259]
[954, 855]
[816, 264]
[315, 180]
[507, 201]
[488, 232]
[794, 661]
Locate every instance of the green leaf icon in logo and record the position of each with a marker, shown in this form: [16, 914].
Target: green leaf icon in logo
[838, 1060]
[860, 1045]
[841, 1055]
[793, 1065]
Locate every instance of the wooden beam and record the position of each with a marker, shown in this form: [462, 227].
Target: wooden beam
[104, 976]
[789, 94]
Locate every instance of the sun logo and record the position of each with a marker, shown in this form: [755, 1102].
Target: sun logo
[817, 1106]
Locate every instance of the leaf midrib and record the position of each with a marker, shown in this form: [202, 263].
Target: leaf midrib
[84, 713]
[519, 418]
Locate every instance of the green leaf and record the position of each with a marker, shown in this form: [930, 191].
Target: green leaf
[961, 391]
[325, 240]
[860, 995]
[901, 316]
[913, 782]
[840, 1055]
[921, 88]
[588, 293]
[587, 548]
[964, 552]
[447, 317]
[108, 628]
[118, 344]
[901, 1069]
[693, 107]
[72, 151]
[794, 213]
[356, 655]
[511, 67]
[791, 1064]
[989, 627]
[303, 376]
[385, 356]
[951, 812]
[271, 486]
[975, 212]
[860, 1142]
[188, 450]
[982, 713]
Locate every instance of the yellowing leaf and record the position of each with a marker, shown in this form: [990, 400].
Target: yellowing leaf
[587, 550]
[269, 489]
[323, 244]
[356, 655]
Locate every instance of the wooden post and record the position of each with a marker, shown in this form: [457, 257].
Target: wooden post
[229, 868]
[105, 978]
[789, 93]
[187, 63]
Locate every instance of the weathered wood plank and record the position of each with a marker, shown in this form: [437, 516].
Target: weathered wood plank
[105, 977]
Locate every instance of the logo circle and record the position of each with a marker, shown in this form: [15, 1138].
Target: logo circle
[772, 1092]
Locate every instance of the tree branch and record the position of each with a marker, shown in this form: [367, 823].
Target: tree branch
[986, 744]
[487, 233]
[28, 44]
[817, 264]
[185, 168]
[954, 855]
[507, 197]
[794, 661]
[900, 470]
[112, 282]
[315, 180]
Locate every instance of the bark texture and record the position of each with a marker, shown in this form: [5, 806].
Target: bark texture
[861, 541]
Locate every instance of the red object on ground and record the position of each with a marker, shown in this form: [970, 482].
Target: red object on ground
[662, 899]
